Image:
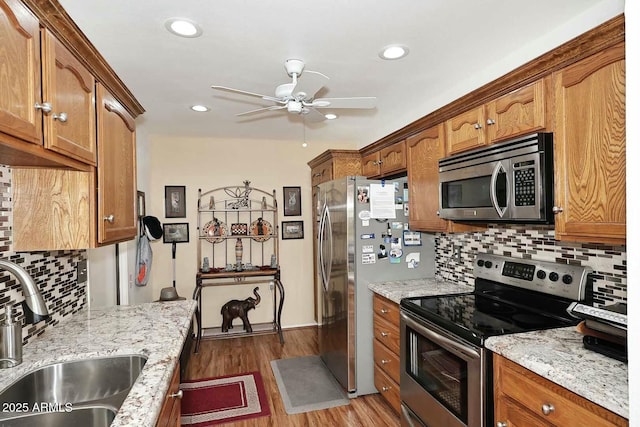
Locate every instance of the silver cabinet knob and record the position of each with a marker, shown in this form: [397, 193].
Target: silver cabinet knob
[45, 107]
[385, 361]
[556, 209]
[384, 334]
[477, 126]
[548, 408]
[384, 311]
[62, 117]
[177, 395]
[386, 388]
[109, 218]
[491, 122]
[501, 424]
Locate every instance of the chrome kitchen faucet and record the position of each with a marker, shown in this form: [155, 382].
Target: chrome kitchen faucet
[10, 329]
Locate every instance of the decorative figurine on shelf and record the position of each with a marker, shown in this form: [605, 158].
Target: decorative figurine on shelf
[238, 254]
[264, 203]
[260, 227]
[237, 308]
[205, 265]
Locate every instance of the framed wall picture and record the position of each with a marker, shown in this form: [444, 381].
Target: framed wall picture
[177, 232]
[292, 203]
[174, 201]
[292, 230]
[142, 210]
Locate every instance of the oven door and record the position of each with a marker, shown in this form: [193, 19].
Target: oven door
[442, 378]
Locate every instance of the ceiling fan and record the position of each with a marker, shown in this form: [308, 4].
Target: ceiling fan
[298, 97]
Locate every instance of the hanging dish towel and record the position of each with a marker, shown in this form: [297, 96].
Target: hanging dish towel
[144, 257]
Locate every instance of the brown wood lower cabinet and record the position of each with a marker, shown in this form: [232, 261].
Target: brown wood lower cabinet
[523, 398]
[386, 349]
[170, 412]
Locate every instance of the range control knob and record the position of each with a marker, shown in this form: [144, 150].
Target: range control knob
[541, 274]
[488, 264]
[553, 276]
[567, 279]
[480, 262]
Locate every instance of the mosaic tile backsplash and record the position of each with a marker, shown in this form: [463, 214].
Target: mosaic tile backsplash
[609, 263]
[54, 272]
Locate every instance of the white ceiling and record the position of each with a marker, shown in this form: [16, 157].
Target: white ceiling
[455, 46]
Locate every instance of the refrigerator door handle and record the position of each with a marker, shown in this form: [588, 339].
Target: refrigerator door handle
[325, 225]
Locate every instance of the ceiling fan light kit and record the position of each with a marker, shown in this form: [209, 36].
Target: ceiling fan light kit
[298, 97]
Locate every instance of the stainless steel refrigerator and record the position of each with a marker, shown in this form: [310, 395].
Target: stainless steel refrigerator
[355, 248]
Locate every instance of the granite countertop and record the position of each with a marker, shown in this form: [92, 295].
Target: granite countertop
[397, 290]
[559, 356]
[157, 330]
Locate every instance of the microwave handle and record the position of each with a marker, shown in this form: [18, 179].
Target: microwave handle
[494, 198]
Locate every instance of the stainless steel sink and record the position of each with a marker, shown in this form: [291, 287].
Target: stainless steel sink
[87, 389]
[94, 416]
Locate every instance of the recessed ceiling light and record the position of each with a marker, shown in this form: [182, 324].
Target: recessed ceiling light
[183, 27]
[200, 108]
[394, 51]
[330, 116]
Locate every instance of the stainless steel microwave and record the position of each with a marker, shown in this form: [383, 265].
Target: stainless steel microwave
[510, 181]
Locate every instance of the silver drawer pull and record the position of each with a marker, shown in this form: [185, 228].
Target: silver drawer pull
[384, 311]
[501, 424]
[384, 334]
[109, 218]
[386, 388]
[177, 395]
[548, 408]
[62, 117]
[385, 361]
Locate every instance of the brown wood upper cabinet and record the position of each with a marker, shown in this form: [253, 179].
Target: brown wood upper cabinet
[68, 102]
[590, 149]
[47, 96]
[423, 152]
[516, 113]
[116, 170]
[386, 161]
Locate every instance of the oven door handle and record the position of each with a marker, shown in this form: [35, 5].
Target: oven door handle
[460, 349]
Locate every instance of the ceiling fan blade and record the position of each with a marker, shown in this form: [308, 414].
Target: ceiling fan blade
[313, 115]
[310, 83]
[356, 102]
[244, 92]
[273, 107]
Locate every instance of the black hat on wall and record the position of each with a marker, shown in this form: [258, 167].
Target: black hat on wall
[152, 227]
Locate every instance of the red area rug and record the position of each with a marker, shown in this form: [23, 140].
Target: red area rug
[211, 401]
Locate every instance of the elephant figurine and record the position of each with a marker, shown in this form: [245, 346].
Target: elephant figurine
[239, 308]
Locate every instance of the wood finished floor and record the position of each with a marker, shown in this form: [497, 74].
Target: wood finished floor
[238, 355]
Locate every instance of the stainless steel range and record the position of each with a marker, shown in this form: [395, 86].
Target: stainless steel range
[446, 373]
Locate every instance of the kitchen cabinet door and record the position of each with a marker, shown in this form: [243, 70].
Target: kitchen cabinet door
[20, 84]
[393, 159]
[423, 152]
[53, 209]
[371, 165]
[590, 149]
[70, 126]
[116, 171]
[466, 131]
[517, 113]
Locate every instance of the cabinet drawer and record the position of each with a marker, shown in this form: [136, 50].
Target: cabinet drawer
[388, 361]
[388, 388]
[387, 333]
[532, 392]
[386, 309]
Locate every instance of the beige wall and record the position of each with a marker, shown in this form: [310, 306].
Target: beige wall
[209, 164]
